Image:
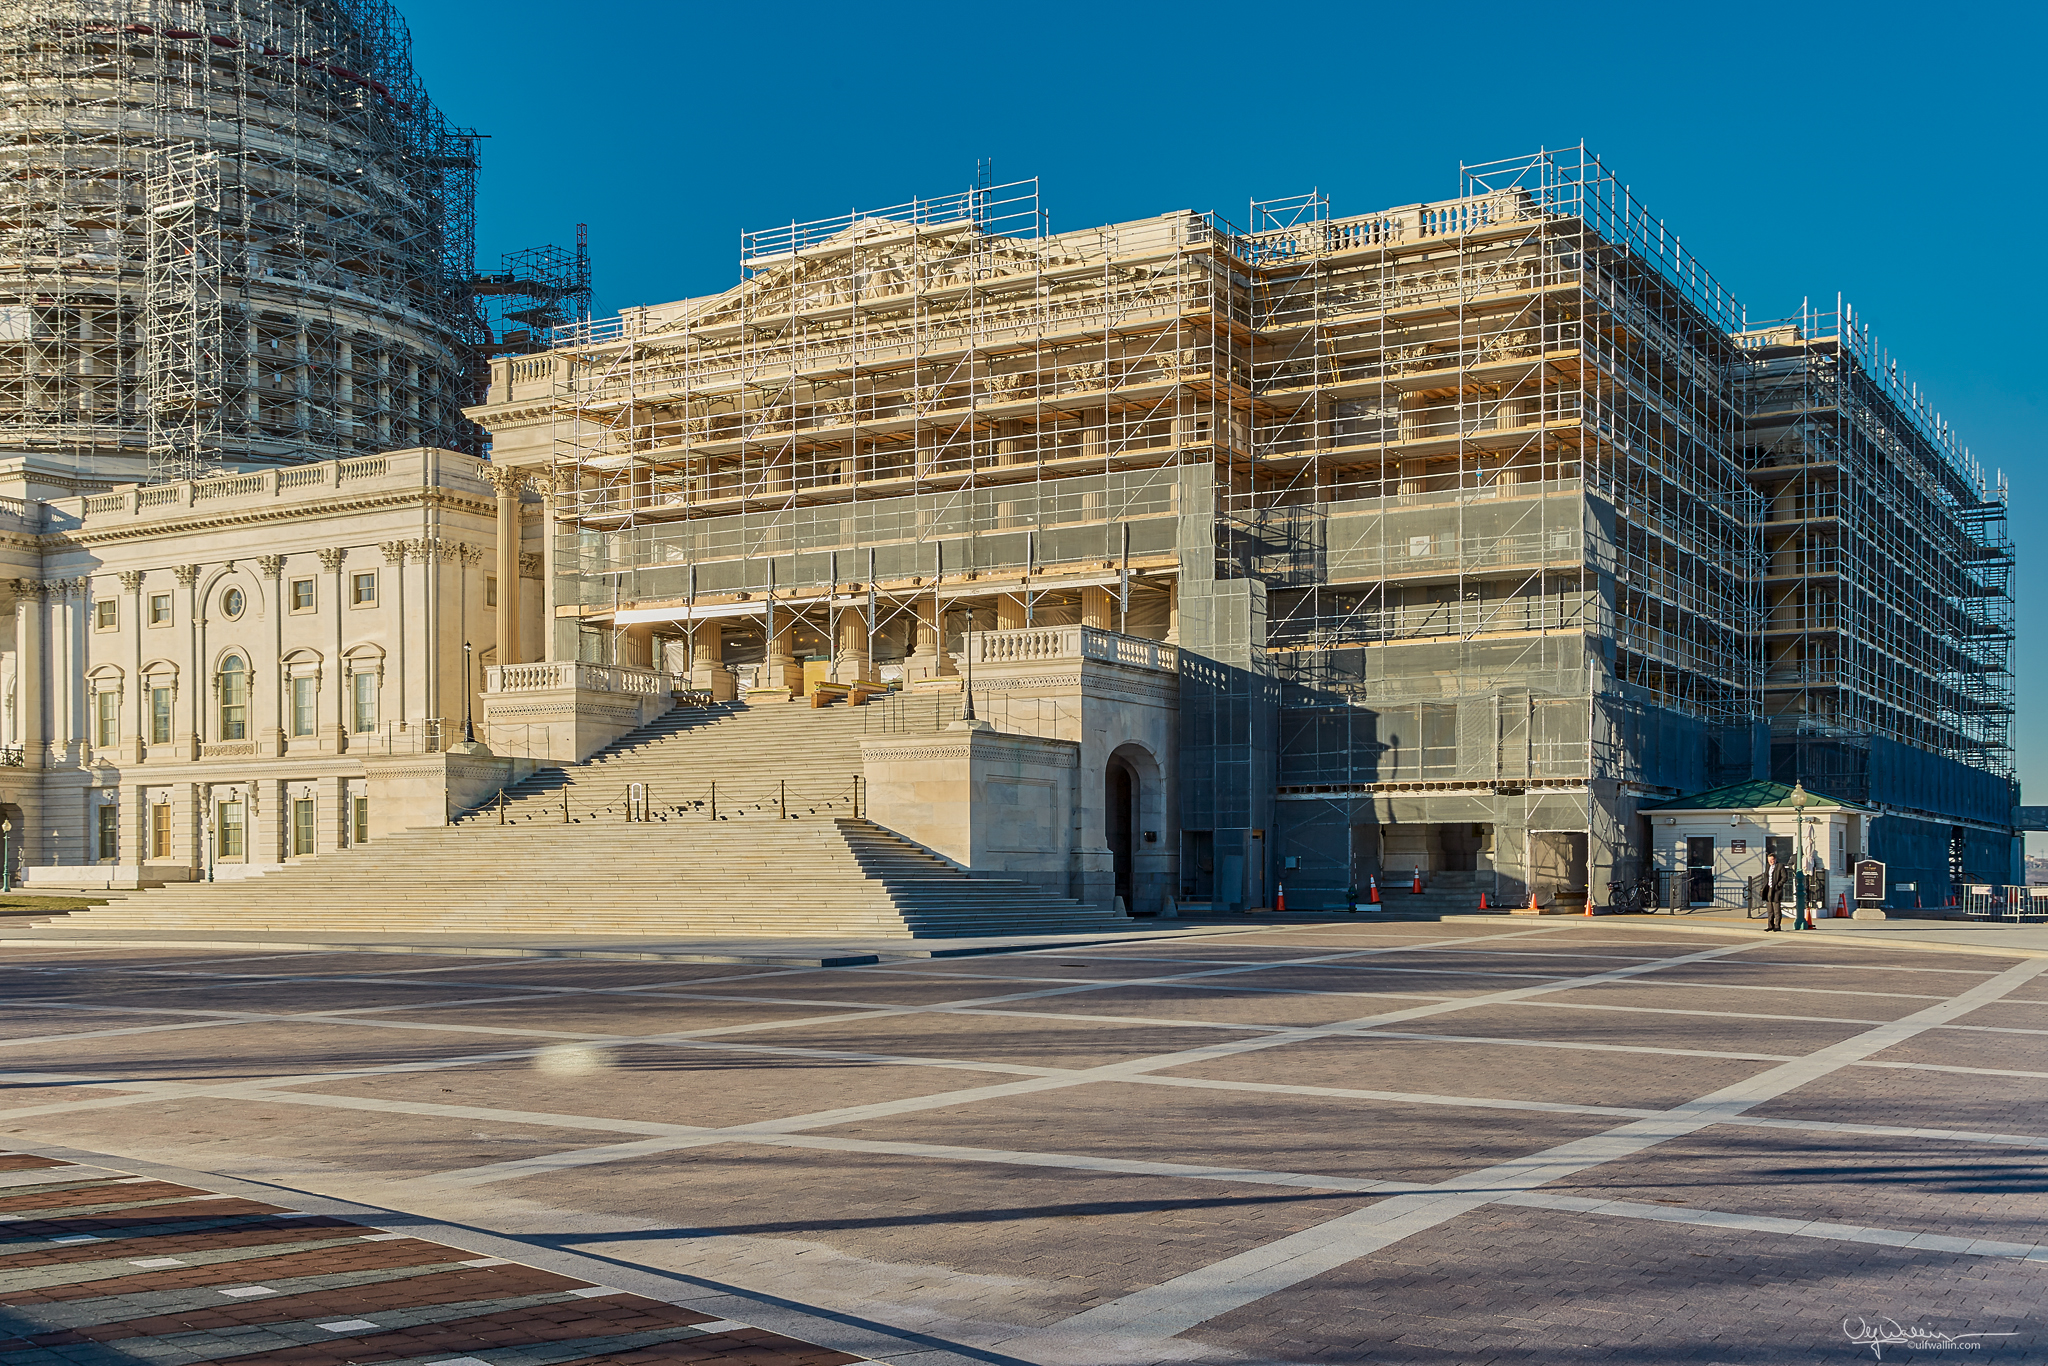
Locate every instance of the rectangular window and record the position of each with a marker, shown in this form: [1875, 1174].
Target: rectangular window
[365, 685]
[106, 614]
[160, 830]
[365, 588]
[160, 716]
[106, 718]
[359, 819]
[305, 704]
[490, 590]
[234, 702]
[110, 833]
[228, 829]
[302, 825]
[302, 595]
[159, 609]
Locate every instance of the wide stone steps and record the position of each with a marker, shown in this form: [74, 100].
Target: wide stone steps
[763, 866]
[816, 878]
[750, 761]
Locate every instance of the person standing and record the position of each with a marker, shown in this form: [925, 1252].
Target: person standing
[1774, 891]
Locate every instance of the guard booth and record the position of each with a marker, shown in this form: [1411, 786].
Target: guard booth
[1706, 847]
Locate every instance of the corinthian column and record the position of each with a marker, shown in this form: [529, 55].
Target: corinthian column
[508, 483]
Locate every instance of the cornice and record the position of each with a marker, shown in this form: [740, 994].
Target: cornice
[255, 516]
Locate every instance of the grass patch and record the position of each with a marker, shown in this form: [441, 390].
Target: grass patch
[13, 903]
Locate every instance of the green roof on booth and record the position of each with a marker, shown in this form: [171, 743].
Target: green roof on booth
[1757, 795]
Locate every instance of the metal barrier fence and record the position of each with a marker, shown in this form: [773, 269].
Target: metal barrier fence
[576, 803]
[1989, 901]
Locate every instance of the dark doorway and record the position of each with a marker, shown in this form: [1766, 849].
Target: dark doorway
[1120, 819]
[1699, 869]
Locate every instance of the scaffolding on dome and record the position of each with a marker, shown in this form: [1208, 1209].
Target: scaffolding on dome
[232, 233]
[535, 295]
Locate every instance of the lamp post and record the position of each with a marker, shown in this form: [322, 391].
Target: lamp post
[6, 854]
[967, 712]
[1798, 801]
[468, 695]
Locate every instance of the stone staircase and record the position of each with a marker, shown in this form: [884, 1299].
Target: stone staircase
[783, 855]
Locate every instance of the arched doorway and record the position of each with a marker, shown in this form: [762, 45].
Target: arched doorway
[1120, 820]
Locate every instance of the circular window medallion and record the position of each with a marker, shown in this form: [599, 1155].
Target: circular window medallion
[231, 602]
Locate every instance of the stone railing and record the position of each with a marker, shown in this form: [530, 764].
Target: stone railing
[1039, 643]
[236, 493]
[548, 675]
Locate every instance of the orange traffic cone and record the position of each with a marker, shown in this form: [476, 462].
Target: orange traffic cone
[1416, 889]
[1482, 901]
[1532, 898]
[1589, 903]
[1280, 897]
[1372, 885]
[1841, 905]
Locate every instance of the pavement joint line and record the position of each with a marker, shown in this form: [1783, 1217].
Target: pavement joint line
[1759, 1223]
[1172, 1307]
[854, 1334]
[1106, 1072]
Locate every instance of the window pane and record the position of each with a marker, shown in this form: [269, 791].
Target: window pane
[302, 595]
[302, 825]
[107, 613]
[110, 832]
[366, 702]
[109, 704]
[159, 608]
[304, 702]
[160, 830]
[234, 700]
[362, 820]
[366, 587]
[228, 829]
[160, 716]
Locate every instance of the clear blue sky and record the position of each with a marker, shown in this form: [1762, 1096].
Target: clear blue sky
[1891, 153]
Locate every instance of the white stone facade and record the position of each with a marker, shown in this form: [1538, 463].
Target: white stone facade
[198, 672]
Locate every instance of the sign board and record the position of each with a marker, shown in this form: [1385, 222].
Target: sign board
[1905, 886]
[1869, 880]
[1738, 846]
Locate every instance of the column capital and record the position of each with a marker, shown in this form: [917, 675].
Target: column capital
[330, 558]
[27, 590]
[394, 551]
[271, 565]
[131, 579]
[187, 574]
[508, 480]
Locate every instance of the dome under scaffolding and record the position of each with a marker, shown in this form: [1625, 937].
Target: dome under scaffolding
[233, 233]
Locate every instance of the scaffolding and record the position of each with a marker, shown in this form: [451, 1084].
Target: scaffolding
[1889, 564]
[534, 295]
[1456, 508]
[232, 232]
[939, 390]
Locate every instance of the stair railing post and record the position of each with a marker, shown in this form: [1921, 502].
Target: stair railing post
[714, 801]
[565, 803]
[501, 806]
[782, 799]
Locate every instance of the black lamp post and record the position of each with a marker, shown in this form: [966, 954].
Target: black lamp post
[468, 695]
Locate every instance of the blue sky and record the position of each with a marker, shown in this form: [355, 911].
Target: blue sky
[1890, 153]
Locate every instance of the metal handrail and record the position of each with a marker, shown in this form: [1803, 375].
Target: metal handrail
[783, 799]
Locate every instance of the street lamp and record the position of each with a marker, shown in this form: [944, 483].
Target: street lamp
[1798, 801]
[468, 696]
[6, 854]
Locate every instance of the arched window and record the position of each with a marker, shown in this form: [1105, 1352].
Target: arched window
[234, 699]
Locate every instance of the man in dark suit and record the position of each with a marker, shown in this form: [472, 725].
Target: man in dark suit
[1774, 891]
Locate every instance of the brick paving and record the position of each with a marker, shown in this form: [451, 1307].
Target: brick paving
[308, 1306]
[1361, 1142]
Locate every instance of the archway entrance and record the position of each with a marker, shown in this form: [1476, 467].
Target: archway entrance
[1120, 820]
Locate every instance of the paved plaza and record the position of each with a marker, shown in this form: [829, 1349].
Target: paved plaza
[1566, 1141]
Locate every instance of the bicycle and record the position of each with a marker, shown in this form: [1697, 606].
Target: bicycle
[1638, 897]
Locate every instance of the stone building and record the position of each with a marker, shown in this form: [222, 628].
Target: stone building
[198, 671]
